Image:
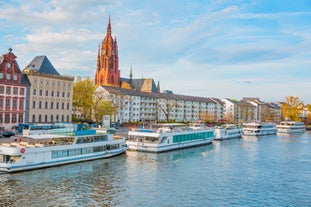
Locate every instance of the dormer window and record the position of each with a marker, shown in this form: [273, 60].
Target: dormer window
[8, 65]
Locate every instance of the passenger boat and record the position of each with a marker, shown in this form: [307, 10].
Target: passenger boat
[47, 150]
[258, 128]
[166, 137]
[291, 127]
[227, 132]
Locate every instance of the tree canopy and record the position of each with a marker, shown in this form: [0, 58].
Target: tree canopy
[292, 108]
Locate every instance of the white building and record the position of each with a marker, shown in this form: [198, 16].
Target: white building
[134, 105]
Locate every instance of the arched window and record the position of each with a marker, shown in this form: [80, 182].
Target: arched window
[46, 118]
[39, 118]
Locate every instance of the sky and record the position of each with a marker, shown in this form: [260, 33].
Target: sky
[208, 48]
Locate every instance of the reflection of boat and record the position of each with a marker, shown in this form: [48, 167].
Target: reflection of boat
[46, 150]
[258, 128]
[227, 132]
[165, 137]
[291, 127]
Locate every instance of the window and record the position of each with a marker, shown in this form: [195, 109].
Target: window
[63, 118]
[1, 75]
[52, 94]
[14, 104]
[40, 118]
[15, 90]
[52, 105]
[21, 104]
[56, 118]
[63, 94]
[40, 92]
[21, 91]
[33, 118]
[34, 92]
[63, 105]
[8, 90]
[46, 105]
[1, 89]
[40, 104]
[20, 118]
[7, 103]
[52, 118]
[68, 95]
[67, 118]
[1, 103]
[57, 105]
[46, 118]
[14, 118]
[34, 104]
[8, 76]
[7, 118]
[1, 118]
[46, 93]
[57, 93]
[15, 77]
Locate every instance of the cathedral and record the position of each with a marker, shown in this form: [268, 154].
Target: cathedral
[108, 72]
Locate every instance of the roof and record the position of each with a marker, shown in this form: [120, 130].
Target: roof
[42, 65]
[142, 84]
[131, 92]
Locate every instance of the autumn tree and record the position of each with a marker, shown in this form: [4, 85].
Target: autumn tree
[229, 118]
[101, 106]
[83, 90]
[292, 108]
[207, 117]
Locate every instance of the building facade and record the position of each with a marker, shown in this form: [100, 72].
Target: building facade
[50, 94]
[13, 88]
[137, 106]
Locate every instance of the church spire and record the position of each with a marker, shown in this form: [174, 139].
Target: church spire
[158, 87]
[109, 27]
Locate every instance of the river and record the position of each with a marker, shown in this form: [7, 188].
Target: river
[250, 171]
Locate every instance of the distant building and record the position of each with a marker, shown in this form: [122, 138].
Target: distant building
[50, 94]
[13, 88]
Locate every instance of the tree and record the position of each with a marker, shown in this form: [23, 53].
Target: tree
[229, 118]
[167, 107]
[292, 108]
[101, 107]
[83, 90]
[207, 117]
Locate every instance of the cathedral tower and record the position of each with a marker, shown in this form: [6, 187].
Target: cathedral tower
[107, 71]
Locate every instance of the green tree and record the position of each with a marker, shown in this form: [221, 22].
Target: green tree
[292, 108]
[83, 90]
[101, 107]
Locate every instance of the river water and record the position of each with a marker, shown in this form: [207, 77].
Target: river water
[264, 171]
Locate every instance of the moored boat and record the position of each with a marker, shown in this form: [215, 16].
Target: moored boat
[291, 127]
[227, 132]
[47, 150]
[258, 128]
[166, 137]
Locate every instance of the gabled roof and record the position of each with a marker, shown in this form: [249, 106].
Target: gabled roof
[131, 92]
[42, 65]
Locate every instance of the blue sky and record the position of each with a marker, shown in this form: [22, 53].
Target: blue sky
[210, 48]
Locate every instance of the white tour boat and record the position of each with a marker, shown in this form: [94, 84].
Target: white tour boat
[46, 150]
[258, 128]
[166, 137]
[229, 131]
[291, 127]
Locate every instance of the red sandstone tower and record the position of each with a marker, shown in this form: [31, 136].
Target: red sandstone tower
[107, 71]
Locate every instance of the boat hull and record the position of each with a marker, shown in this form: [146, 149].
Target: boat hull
[17, 167]
[158, 148]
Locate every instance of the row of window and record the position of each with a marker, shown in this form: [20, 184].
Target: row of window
[39, 118]
[11, 118]
[83, 151]
[8, 76]
[13, 91]
[15, 102]
[51, 105]
[52, 93]
[52, 82]
[193, 136]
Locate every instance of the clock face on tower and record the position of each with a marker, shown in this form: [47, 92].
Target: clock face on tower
[8, 65]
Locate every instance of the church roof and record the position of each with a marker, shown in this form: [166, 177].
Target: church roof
[142, 84]
[42, 65]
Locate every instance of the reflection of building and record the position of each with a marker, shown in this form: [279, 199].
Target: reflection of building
[13, 87]
[50, 94]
